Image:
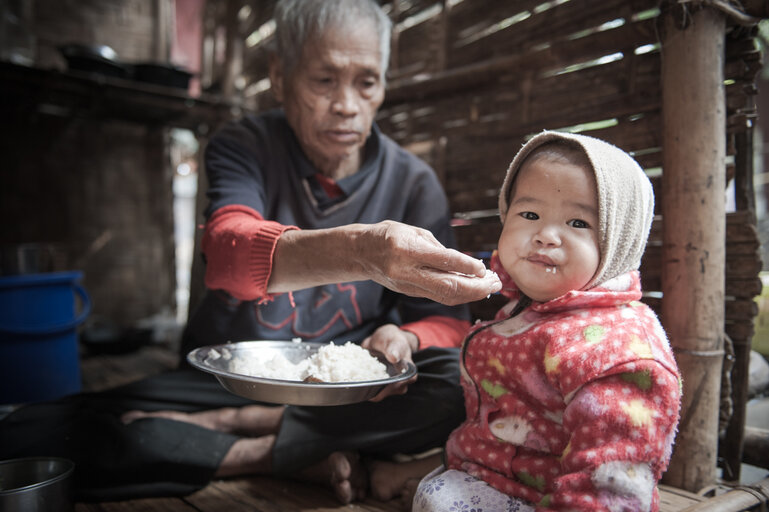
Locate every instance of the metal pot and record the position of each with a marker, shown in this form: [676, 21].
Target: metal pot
[37, 484]
[162, 74]
[98, 59]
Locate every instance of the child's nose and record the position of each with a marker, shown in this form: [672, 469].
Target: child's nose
[548, 235]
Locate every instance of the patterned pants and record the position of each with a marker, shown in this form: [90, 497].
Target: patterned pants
[456, 491]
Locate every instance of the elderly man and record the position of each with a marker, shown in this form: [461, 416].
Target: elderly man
[321, 164]
[318, 227]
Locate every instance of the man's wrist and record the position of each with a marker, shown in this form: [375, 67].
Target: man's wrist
[359, 244]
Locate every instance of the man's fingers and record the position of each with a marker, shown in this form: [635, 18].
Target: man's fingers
[422, 246]
[440, 258]
[413, 262]
[451, 288]
[463, 264]
[399, 388]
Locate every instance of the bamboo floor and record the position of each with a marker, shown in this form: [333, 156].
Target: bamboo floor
[253, 494]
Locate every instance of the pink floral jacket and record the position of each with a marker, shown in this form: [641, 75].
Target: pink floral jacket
[572, 404]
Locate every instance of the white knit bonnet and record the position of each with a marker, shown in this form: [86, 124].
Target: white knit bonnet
[625, 201]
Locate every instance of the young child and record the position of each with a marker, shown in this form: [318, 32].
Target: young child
[572, 392]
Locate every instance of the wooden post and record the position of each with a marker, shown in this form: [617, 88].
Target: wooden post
[233, 60]
[693, 209]
[164, 23]
[394, 64]
[208, 46]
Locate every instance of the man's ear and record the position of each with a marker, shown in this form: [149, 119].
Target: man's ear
[276, 77]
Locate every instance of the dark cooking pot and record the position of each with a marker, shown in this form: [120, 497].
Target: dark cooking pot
[162, 74]
[37, 484]
[99, 59]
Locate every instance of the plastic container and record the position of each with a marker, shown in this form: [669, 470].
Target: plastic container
[39, 358]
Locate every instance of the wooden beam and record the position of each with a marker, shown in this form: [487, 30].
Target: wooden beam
[694, 154]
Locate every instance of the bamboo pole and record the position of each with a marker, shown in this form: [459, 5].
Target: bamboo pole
[746, 497]
[693, 209]
[756, 446]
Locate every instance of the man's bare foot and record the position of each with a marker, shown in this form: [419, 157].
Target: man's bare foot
[391, 480]
[344, 472]
[248, 456]
[251, 420]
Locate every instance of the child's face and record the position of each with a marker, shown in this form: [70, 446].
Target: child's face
[549, 243]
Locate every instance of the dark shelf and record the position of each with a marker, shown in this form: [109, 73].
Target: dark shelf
[27, 90]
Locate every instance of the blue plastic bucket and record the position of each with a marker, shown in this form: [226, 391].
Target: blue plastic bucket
[39, 358]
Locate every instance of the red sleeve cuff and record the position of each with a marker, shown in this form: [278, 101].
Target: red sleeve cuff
[438, 331]
[239, 245]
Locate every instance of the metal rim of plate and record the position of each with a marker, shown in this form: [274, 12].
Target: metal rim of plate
[214, 359]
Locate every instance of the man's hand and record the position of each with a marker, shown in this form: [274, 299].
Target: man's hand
[396, 345]
[411, 261]
[403, 258]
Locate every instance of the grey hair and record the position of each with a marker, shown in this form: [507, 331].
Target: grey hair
[298, 21]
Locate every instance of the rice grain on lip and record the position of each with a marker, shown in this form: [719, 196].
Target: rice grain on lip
[331, 363]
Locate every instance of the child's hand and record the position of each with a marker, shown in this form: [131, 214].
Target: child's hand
[396, 345]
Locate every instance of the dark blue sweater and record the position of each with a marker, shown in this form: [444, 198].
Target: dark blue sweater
[257, 162]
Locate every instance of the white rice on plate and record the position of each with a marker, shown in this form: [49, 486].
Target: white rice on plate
[268, 366]
[331, 363]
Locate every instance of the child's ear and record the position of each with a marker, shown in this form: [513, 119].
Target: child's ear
[276, 77]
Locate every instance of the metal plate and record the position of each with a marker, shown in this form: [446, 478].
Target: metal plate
[215, 360]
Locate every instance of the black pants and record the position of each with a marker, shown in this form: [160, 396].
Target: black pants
[421, 419]
[159, 457]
